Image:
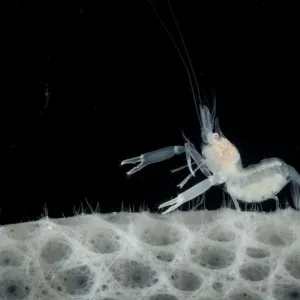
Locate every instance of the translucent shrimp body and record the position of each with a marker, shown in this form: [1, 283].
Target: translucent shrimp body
[220, 160]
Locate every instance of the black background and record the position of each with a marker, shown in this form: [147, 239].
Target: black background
[117, 88]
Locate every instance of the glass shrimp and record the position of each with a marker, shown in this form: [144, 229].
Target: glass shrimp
[220, 160]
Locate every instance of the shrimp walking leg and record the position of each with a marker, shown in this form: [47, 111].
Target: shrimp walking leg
[152, 157]
[183, 182]
[189, 194]
[236, 204]
[277, 202]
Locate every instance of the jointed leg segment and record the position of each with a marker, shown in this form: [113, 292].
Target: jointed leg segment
[166, 153]
[189, 194]
[152, 157]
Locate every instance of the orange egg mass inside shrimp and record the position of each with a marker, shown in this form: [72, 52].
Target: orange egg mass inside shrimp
[222, 153]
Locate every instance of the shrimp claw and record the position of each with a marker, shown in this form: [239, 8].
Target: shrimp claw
[152, 157]
[190, 194]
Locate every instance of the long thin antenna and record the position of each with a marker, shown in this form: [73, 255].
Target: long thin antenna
[187, 54]
[181, 56]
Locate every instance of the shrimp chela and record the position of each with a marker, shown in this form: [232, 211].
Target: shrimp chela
[220, 160]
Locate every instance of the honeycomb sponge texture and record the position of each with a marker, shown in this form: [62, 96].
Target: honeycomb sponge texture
[201, 255]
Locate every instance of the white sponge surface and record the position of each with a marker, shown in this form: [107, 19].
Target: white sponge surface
[201, 255]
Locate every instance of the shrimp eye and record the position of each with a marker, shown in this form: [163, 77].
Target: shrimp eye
[216, 135]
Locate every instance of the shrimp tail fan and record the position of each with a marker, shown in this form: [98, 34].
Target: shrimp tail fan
[295, 192]
[295, 186]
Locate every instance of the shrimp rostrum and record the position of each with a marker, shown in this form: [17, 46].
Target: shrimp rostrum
[220, 162]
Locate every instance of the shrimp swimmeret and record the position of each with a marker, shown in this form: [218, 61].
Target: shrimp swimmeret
[220, 161]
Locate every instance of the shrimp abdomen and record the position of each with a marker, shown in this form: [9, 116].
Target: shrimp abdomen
[259, 182]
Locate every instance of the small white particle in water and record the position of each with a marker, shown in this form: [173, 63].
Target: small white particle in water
[47, 96]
